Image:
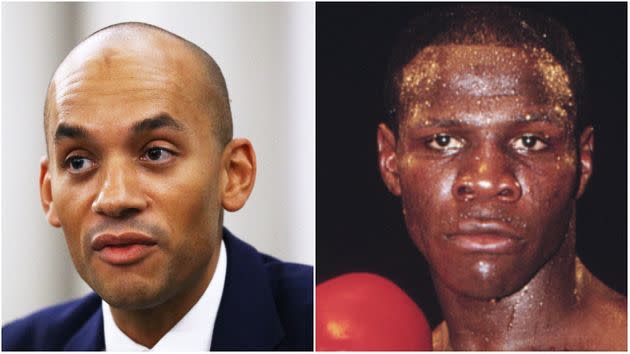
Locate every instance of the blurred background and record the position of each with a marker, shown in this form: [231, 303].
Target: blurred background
[360, 224]
[267, 54]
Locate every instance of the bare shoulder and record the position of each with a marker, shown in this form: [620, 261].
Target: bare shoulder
[605, 316]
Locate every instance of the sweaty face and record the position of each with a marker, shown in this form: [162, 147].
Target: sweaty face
[487, 163]
[134, 169]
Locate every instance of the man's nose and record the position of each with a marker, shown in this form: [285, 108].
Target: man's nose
[487, 175]
[119, 194]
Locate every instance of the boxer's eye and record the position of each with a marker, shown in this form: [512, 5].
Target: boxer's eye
[445, 143]
[528, 142]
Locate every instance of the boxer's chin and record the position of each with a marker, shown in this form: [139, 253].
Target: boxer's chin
[482, 279]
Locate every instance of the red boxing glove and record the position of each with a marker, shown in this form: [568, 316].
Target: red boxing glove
[363, 311]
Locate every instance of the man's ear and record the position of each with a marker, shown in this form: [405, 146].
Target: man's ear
[45, 193]
[585, 149]
[239, 164]
[387, 162]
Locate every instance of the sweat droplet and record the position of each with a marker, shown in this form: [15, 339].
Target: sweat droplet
[484, 269]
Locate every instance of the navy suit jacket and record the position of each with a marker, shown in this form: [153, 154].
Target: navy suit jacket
[266, 305]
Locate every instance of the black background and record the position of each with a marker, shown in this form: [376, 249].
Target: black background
[360, 225]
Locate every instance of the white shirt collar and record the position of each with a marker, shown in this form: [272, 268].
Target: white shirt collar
[192, 333]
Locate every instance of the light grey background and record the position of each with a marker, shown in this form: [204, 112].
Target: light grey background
[266, 52]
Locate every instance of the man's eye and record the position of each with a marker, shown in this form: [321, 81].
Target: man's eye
[528, 143]
[157, 154]
[445, 142]
[78, 164]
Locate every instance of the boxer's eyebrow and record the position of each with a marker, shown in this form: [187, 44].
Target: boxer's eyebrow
[437, 122]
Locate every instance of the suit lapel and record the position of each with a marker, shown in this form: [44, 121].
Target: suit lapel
[247, 318]
[90, 337]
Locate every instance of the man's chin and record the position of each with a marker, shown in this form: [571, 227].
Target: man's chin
[131, 296]
[482, 288]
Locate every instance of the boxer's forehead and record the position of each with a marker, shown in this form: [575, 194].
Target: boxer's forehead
[444, 76]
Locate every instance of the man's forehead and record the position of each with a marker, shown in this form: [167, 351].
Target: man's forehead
[449, 76]
[475, 62]
[119, 47]
[470, 54]
[133, 66]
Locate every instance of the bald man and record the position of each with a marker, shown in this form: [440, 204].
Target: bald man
[140, 165]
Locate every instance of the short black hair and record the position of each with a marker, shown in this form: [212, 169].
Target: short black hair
[480, 24]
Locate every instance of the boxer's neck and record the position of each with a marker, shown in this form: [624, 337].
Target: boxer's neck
[525, 320]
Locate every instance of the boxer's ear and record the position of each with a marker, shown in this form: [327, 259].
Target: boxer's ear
[239, 173]
[585, 155]
[45, 193]
[387, 161]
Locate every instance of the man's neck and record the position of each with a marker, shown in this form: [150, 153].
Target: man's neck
[525, 320]
[148, 326]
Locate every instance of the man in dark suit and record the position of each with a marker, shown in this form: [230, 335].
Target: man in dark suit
[140, 165]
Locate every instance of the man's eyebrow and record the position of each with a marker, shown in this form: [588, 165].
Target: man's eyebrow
[162, 120]
[69, 131]
[436, 122]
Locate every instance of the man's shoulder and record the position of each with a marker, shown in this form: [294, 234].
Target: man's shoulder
[50, 328]
[292, 287]
[290, 282]
[284, 288]
[285, 277]
[605, 317]
[599, 321]
[288, 277]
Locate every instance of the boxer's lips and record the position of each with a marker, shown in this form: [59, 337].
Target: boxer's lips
[123, 249]
[486, 237]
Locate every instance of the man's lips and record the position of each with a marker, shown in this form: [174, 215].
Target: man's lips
[486, 237]
[122, 249]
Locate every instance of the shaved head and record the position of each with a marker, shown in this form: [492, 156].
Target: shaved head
[147, 43]
[138, 132]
